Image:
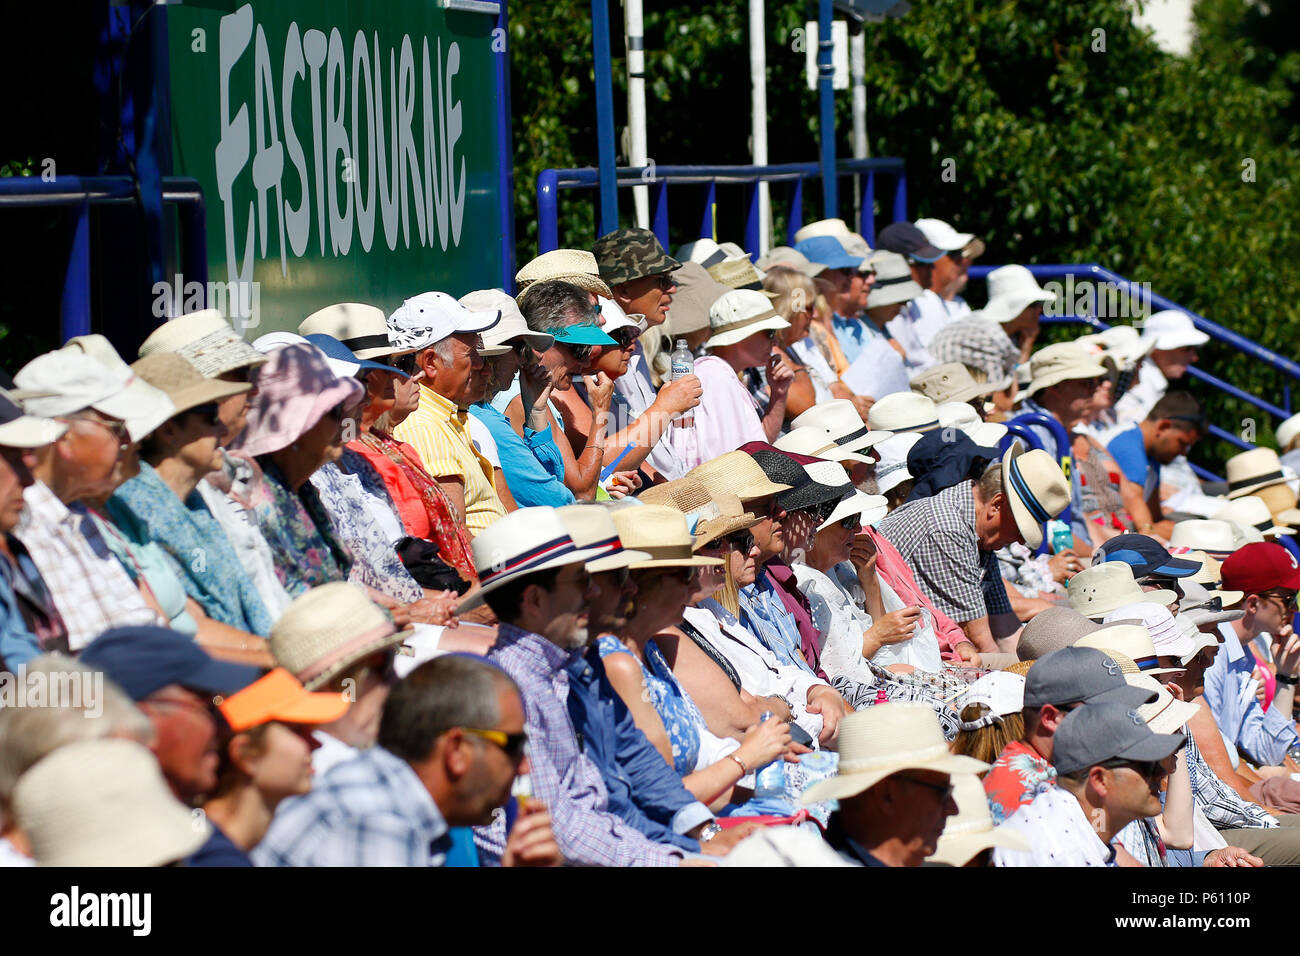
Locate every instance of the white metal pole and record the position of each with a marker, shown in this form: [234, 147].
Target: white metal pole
[758, 80]
[858, 80]
[636, 105]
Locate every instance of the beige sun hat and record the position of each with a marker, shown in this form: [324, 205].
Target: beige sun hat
[949, 382]
[592, 526]
[1131, 640]
[1166, 714]
[823, 227]
[1252, 470]
[663, 534]
[1037, 489]
[903, 412]
[972, 831]
[709, 514]
[207, 340]
[1210, 577]
[327, 629]
[791, 259]
[1063, 362]
[738, 273]
[577, 266]
[816, 443]
[736, 473]
[1118, 347]
[512, 325]
[103, 802]
[362, 328]
[739, 314]
[182, 382]
[878, 741]
[894, 282]
[1012, 289]
[1096, 591]
[839, 418]
[1251, 511]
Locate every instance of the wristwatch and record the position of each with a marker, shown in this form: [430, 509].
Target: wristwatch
[711, 829]
[1289, 679]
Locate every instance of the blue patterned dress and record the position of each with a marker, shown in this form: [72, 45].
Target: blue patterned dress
[682, 719]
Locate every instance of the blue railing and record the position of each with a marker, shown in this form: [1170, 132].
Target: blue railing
[659, 178]
[79, 193]
[1090, 272]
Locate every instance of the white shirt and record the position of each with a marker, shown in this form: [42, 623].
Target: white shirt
[761, 673]
[483, 440]
[903, 327]
[638, 391]
[819, 370]
[1058, 833]
[1135, 404]
[935, 313]
[331, 752]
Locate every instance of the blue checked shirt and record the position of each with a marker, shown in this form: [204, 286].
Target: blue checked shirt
[1264, 735]
[563, 777]
[371, 810]
[764, 615]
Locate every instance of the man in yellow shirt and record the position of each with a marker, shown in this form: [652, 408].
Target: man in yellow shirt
[448, 353]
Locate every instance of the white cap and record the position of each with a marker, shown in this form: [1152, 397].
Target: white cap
[963, 417]
[1287, 431]
[891, 470]
[614, 317]
[83, 375]
[1002, 692]
[945, 237]
[1172, 329]
[428, 318]
[512, 325]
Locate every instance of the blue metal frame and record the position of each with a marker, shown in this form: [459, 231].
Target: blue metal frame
[604, 114]
[78, 193]
[826, 98]
[551, 181]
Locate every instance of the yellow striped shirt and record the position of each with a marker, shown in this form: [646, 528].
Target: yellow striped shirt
[437, 431]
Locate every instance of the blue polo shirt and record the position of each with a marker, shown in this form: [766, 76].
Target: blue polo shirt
[1130, 454]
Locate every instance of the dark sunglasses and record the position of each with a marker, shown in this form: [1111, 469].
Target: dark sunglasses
[512, 744]
[210, 413]
[851, 523]
[580, 352]
[625, 336]
[664, 280]
[1146, 769]
[1288, 598]
[741, 540]
[405, 363]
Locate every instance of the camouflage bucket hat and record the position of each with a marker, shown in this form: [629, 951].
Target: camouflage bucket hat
[627, 254]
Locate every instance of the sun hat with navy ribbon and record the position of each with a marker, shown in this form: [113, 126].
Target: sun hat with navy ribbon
[1036, 487]
[522, 543]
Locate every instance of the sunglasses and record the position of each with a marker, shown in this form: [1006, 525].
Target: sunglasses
[945, 790]
[625, 336]
[405, 363]
[664, 281]
[851, 523]
[512, 744]
[1288, 599]
[1146, 769]
[741, 540]
[580, 352]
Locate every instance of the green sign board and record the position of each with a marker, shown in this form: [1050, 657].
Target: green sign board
[348, 151]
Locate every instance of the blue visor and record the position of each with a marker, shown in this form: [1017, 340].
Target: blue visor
[335, 349]
[585, 334]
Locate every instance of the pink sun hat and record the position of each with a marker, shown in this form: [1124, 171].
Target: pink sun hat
[295, 388]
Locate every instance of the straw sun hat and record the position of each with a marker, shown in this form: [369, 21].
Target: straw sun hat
[663, 534]
[972, 831]
[183, 383]
[577, 266]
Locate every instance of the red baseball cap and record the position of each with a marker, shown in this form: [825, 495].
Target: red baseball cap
[1260, 566]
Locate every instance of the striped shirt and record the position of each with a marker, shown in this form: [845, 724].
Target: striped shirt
[438, 431]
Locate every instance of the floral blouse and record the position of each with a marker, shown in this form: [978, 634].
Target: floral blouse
[305, 550]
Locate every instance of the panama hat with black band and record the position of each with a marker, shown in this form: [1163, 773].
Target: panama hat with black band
[1036, 488]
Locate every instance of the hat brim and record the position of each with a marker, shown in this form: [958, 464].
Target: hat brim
[1251, 489]
[580, 335]
[810, 495]
[614, 562]
[310, 708]
[966, 394]
[1162, 596]
[1169, 720]
[1155, 747]
[29, 431]
[732, 336]
[845, 785]
[695, 561]
[863, 442]
[960, 848]
[578, 556]
[1081, 372]
[1126, 694]
[1030, 528]
[858, 503]
[219, 677]
[1180, 340]
[358, 654]
[893, 294]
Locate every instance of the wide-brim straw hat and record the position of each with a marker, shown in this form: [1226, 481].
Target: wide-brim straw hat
[663, 534]
[183, 383]
[327, 629]
[1210, 577]
[949, 382]
[1037, 489]
[206, 339]
[103, 802]
[1215, 538]
[524, 542]
[1166, 714]
[592, 526]
[903, 412]
[839, 418]
[577, 266]
[1131, 640]
[737, 273]
[1063, 362]
[295, 388]
[1251, 511]
[814, 441]
[1096, 591]
[1252, 470]
[736, 473]
[709, 514]
[972, 831]
[362, 328]
[886, 739]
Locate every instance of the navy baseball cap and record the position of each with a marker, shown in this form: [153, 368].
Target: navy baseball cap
[1100, 732]
[142, 660]
[1145, 555]
[907, 240]
[1076, 675]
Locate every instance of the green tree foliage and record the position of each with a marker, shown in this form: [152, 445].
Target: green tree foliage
[1073, 138]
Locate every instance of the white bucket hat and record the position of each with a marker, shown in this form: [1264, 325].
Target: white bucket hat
[1063, 362]
[891, 470]
[1096, 591]
[103, 802]
[1216, 538]
[1002, 692]
[972, 831]
[207, 340]
[961, 416]
[703, 250]
[1120, 345]
[512, 325]
[739, 314]
[1036, 488]
[903, 412]
[362, 328]
[1012, 289]
[1131, 640]
[592, 526]
[839, 418]
[885, 739]
[823, 227]
[521, 543]
[817, 443]
[940, 234]
[1251, 511]
[1287, 432]
[1171, 329]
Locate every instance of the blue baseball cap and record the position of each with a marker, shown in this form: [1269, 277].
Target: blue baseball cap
[584, 334]
[1145, 555]
[828, 251]
[142, 660]
[907, 240]
[335, 349]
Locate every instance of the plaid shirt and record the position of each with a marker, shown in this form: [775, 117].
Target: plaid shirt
[563, 777]
[90, 588]
[936, 537]
[1222, 805]
[371, 810]
[439, 433]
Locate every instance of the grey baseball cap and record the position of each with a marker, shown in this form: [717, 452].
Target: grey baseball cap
[1075, 675]
[1100, 732]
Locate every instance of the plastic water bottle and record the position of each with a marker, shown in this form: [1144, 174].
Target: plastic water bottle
[769, 781]
[1060, 535]
[683, 363]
